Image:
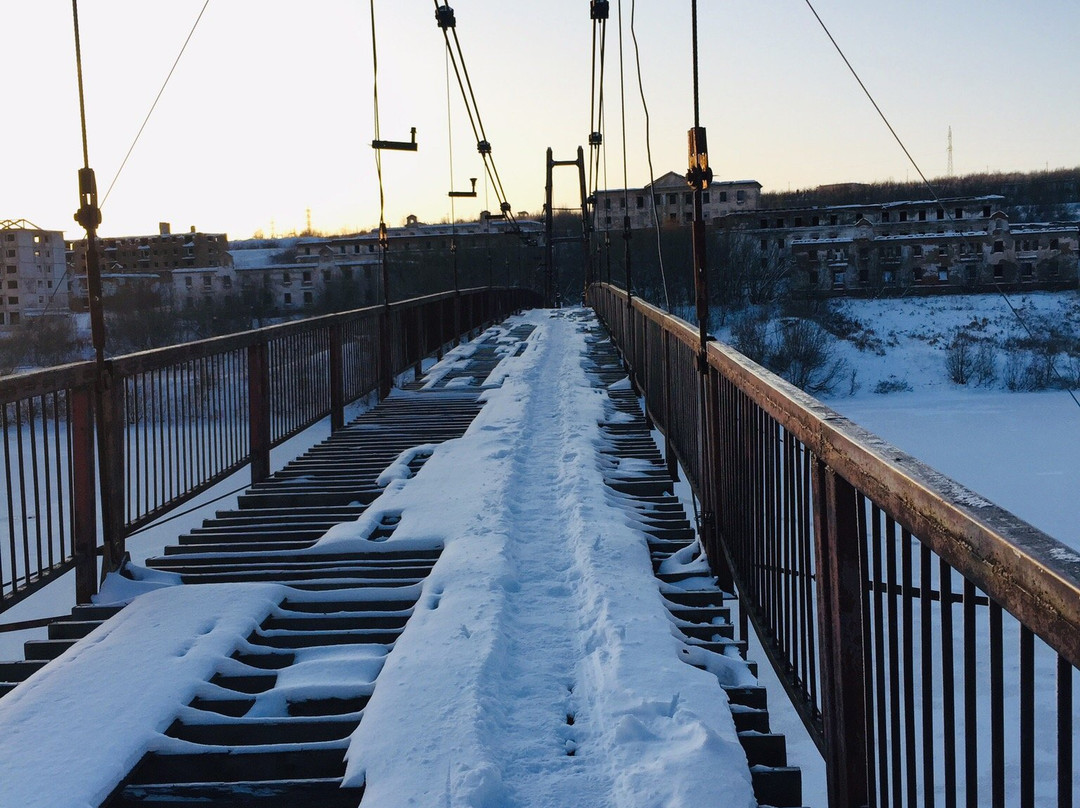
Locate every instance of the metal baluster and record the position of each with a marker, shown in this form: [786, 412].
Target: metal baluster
[997, 707]
[894, 663]
[971, 713]
[1064, 733]
[880, 690]
[948, 683]
[1027, 718]
[926, 659]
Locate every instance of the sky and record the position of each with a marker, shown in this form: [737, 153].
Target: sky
[269, 112]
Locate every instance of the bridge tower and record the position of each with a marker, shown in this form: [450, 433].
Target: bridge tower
[552, 295]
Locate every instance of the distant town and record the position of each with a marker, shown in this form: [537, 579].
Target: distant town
[988, 232]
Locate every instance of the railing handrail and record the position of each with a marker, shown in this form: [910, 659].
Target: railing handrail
[1029, 573]
[79, 374]
[158, 427]
[40, 382]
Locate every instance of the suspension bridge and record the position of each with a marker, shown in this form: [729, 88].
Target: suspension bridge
[528, 572]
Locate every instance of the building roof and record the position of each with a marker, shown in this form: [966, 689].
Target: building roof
[21, 224]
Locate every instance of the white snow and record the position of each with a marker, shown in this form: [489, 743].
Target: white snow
[542, 606]
[540, 666]
[72, 731]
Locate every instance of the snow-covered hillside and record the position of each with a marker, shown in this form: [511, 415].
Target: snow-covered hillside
[906, 340]
[1019, 449]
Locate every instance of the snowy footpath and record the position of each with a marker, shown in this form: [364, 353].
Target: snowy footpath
[540, 667]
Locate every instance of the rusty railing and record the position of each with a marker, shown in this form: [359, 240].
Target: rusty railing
[178, 420]
[884, 594]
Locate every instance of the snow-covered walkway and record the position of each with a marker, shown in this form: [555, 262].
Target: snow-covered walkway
[540, 666]
[541, 670]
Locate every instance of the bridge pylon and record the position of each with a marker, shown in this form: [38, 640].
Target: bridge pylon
[552, 292]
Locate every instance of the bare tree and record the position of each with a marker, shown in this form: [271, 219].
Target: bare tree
[960, 357]
[804, 355]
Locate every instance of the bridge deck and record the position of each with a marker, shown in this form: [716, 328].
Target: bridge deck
[482, 592]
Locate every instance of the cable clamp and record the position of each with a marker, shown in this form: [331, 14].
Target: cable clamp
[444, 16]
[699, 175]
[89, 214]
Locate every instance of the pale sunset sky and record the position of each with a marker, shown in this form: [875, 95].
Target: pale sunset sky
[269, 112]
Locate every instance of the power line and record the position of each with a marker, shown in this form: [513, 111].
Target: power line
[926, 182]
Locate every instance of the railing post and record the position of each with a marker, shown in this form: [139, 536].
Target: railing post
[669, 444]
[712, 471]
[113, 466]
[841, 596]
[386, 362]
[337, 378]
[259, 410]
[84, 518]
[418, 343]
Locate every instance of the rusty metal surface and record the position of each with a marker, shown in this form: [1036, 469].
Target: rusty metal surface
[42, 382]
[174, 421]
[1032, 575]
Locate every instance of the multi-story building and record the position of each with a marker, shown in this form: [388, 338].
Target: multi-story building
[673, 202]
[160, 254]
[296, 279]
[957, 244]
[34, 282]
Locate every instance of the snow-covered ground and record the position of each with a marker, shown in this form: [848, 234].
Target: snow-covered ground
[512, 581]
[1018, 449]
[904, 340]
[540, 667]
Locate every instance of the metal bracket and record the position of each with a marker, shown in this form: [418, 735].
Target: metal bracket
[459, 194]
[396, 145]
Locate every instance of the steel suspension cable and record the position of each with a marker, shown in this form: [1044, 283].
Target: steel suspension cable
[622, 110]
[447, 23]
[153, 106]
[596, 97]
[648, 146]
[79, 76]
[378, 136]
[592, 104]
[450, 147]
